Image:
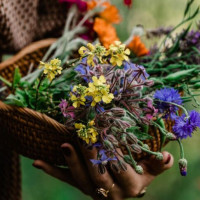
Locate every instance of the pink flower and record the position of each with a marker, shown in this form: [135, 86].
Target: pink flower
[66, 111]
[82, 5]
[150, 111]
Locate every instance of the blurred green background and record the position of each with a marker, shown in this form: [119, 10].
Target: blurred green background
[170, 185]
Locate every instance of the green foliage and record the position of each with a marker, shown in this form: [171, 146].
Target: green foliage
[138, 133]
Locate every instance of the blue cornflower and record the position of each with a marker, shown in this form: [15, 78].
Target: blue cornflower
[139, 71]
[184, 127]
[169, 95]
[103, 158]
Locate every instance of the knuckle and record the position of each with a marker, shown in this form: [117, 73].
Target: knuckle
[101, 180]
[133, 192]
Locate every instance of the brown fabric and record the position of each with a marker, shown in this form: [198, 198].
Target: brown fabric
[24, 21]
[10, 175]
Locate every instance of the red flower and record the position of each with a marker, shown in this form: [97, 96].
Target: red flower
[128, 2]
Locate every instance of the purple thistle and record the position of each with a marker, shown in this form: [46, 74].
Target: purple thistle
[103, 158]
[168, 95]
[184, 127]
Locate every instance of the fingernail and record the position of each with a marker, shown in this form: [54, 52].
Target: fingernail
[66, 151]
[168, 159]
[36, 166]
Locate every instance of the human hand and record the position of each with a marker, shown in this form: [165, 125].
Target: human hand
[84, 176]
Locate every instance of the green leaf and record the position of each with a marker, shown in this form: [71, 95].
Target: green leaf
[13, 100]
[5, 81]
[187, 8]
[175, 46]
[138, 133]
[16, 78]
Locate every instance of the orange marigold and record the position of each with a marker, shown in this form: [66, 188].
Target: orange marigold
[110, 13]
[105, 31]
[137, 47]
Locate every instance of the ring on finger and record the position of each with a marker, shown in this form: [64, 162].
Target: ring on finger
[142, 193]
[103, 192]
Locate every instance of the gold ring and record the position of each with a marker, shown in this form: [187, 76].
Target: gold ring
[102, 192]
[142, 193]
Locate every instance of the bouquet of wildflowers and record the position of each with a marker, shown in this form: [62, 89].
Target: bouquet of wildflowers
[113, 94]
[107, 100]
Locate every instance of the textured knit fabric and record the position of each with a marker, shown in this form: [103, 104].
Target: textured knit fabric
[24, 21]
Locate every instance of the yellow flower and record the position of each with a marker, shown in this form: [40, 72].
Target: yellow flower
[99, 91]
[118, 53]
[77, 101]
[79, 126]
[87, 133]
[93, 51]
[77, 96]
[51, 69]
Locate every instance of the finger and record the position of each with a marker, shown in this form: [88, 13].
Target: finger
[129, 180]
[77, 169]
[155, 167]
[104, 180]
[56, 172]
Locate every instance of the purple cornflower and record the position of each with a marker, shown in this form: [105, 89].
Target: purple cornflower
[139, 71]
[184, 127]
[67, 111]
[103, 158]
[169, 95]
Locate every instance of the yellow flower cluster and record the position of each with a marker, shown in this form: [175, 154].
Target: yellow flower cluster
[79, 98]
[98, 90]
[117, 53]
[87, 133]
[91, 51]
[52, 68]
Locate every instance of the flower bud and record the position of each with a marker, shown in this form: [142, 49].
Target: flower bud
[149, 83]
[108, 145]
[112, 139]
[171, 136]
[123, 139]
[139, 169]
[146, 146]
[136, 148]
[183, 166]
[159, 156]
[118, 112]
[132, 137]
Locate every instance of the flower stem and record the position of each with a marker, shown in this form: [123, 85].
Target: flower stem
[37, 90]
[181, 148]
[134, 163]
[184, 110]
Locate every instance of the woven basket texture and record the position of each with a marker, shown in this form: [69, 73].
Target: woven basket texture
[34, 134]
[25, 21]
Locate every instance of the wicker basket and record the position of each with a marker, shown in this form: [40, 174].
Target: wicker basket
[33, 134]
